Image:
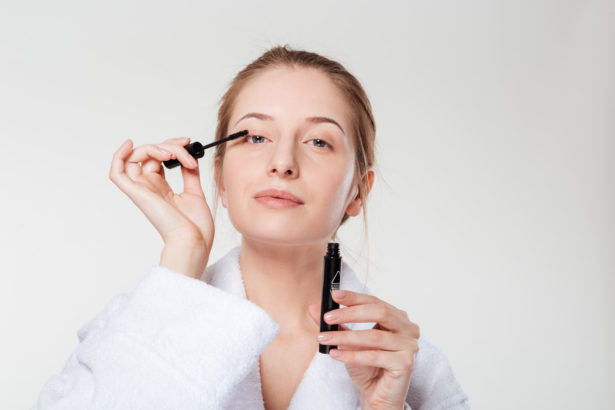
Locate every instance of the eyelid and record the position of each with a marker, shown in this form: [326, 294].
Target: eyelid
[326, 141]
[246, 138]
[254, 134]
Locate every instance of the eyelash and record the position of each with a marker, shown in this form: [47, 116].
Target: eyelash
[327, 145]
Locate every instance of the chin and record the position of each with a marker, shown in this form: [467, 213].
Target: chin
[284, 235]
[280, 238]
[283, 228]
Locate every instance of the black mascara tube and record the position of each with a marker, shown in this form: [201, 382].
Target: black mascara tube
[197, 150]
[330, 282]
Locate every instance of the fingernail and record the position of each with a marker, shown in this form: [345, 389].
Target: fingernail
[323, 337]
[330, 316]
[335, 353]
[339, 294]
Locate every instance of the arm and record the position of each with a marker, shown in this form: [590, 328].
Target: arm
[174, 342]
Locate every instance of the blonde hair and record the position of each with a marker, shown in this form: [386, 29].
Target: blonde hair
[363, 125]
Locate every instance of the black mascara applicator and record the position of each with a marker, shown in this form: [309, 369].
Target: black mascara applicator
[197, 150]
[330, 282]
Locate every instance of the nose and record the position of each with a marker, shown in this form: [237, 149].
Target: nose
[283, 162]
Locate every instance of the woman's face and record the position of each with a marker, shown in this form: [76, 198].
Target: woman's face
[299, 141]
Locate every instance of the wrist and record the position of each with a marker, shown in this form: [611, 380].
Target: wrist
[188, 257]
[364, 405]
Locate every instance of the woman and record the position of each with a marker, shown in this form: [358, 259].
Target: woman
[244, 332]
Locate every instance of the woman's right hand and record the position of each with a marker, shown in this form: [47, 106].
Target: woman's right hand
[179, 218]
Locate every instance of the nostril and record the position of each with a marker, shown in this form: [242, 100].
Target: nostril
[288, 171]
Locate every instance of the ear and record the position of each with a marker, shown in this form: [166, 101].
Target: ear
[218, 177]
[355, 205]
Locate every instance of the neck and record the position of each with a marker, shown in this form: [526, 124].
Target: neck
[283, 280]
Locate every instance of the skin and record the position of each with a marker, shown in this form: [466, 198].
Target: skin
[282, 249]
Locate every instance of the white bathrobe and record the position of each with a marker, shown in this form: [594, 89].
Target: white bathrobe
[180, 343]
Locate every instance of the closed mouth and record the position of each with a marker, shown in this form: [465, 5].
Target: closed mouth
[278, 194]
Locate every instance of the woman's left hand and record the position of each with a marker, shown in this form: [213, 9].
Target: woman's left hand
[379, 360]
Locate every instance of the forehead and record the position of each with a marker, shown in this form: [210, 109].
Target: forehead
[289, 93]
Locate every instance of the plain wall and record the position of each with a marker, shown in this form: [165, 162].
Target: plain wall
[491, 221]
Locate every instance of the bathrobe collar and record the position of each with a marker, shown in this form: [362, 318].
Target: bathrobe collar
[326, 383]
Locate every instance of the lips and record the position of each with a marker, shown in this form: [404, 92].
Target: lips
[278, 194]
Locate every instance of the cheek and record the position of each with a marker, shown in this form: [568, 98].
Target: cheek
[238, 177]
[337, 189]
[231, 175]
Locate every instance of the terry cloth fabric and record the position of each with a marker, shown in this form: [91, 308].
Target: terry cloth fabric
[176, 342]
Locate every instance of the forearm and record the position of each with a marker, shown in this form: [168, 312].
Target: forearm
[186, 257]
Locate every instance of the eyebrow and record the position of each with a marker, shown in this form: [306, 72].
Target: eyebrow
[315, 120]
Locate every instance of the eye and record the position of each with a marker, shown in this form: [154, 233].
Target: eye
[320, 143]
[254, 139]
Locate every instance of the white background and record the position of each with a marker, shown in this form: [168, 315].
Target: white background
[491, 222]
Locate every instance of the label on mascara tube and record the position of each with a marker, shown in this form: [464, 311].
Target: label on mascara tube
[335, 282]
[332, 269]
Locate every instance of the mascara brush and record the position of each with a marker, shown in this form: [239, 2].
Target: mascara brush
[197, 150]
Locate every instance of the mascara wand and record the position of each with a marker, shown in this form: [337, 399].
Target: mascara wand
[197, 150]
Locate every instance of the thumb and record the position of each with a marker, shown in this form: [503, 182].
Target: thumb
[314, 311]
[192, 180]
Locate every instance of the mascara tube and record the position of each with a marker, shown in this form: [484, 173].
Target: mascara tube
[330, 281]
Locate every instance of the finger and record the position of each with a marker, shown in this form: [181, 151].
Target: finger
[117, 172]
[180, 140]
[155, 166]
[151, 166]
[147, 151]
[182, 154]
[368, 339]
[400, 361]
[402, 321]
[314, 311]
[141, 155]
[386, 316]
[350, 298]
[192, 181]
